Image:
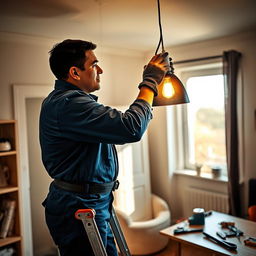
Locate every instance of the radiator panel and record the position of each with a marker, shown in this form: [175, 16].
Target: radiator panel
[209, 200]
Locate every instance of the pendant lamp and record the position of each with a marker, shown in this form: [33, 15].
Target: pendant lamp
[171, 91]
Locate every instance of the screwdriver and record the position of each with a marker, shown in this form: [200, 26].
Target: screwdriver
[228, 245]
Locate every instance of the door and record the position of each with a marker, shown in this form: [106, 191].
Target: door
[134, 194]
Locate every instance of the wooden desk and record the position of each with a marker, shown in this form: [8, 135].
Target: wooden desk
[196, 244]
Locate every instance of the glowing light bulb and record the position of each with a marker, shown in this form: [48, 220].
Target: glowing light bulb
[168, 90]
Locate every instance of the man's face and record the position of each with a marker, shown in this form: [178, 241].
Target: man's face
[90, 77]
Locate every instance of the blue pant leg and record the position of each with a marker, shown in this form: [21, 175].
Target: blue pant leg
[79, 246]
[107, 235]
[111, 245]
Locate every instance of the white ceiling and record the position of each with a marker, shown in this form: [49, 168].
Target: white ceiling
[131, 24]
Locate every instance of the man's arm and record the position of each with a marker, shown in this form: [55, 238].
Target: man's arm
[146, 94]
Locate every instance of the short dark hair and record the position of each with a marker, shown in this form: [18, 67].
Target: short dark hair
[67, 54]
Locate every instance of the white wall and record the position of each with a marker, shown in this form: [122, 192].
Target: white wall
[170, 186]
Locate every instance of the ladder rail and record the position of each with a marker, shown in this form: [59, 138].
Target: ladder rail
[118, 233]
[88, 218]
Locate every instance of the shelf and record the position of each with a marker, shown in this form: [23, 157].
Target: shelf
[9, 240]
[8, 189]
[12, 190]
[7, 121]
[8, 153]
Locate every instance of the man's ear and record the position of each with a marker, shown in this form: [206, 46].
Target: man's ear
[73, 72]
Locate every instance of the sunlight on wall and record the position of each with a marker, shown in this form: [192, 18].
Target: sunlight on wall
[124, 199]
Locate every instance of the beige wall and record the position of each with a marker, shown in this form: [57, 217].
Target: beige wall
[170, 186]
[24, 60]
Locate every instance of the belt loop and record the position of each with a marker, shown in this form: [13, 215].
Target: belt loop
[116, 185]
[86, 188]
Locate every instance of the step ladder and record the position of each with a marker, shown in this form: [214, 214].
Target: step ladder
[88, 218]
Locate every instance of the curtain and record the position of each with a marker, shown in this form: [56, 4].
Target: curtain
[230, 71]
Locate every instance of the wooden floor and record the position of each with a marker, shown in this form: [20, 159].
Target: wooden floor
[168, 251]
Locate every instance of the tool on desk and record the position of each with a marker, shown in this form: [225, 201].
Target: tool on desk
[228, 245]
[181, 230]
[198, 217]
[206, 214]
[224, 234]
[221, 234]
[233, 230]
[250, 241]
[226, 224]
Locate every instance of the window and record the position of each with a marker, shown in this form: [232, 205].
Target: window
[203, 120]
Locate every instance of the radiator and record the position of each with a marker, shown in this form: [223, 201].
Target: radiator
[209, 200]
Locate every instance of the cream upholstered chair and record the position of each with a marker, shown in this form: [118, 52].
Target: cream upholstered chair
[141, 214]
[143, 236]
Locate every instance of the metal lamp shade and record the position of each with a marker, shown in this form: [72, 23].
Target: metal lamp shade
[171, 92]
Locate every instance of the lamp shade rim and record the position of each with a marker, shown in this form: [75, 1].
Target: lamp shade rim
[166, 102]
[176, 95]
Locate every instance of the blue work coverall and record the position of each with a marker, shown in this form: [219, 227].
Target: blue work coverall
[77, 137]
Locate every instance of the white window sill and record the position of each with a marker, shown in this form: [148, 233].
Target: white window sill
[206, 176]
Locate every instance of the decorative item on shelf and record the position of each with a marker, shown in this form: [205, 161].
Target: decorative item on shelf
[4, 175]
[8, 208]
[7, 251]
[198, 168]
[11, 227]
[216, 171]
[5, 145]
[11, 242]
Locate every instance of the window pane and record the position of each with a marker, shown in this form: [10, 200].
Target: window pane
[206, 121]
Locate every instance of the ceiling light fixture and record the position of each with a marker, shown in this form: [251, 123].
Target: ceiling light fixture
[171, 91]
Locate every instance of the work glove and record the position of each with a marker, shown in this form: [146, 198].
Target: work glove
[155, 71]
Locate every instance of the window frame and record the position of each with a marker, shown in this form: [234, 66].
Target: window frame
[180, 115]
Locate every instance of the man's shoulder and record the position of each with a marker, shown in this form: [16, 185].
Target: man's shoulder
[66, 95]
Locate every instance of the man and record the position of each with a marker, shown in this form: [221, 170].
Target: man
[77, 137]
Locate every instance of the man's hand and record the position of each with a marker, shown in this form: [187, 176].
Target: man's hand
[155, 71]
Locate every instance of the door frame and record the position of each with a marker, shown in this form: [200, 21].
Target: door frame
[20, 94]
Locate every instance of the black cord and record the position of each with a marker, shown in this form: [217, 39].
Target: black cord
[158, 46]
[161, 41]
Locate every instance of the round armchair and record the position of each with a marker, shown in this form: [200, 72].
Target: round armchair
[143, 236]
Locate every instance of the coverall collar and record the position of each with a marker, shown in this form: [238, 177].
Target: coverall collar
[63, 85]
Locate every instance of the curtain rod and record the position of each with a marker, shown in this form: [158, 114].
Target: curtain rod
[198, 59]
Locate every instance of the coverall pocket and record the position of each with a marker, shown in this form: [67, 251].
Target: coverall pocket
[63, 229]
